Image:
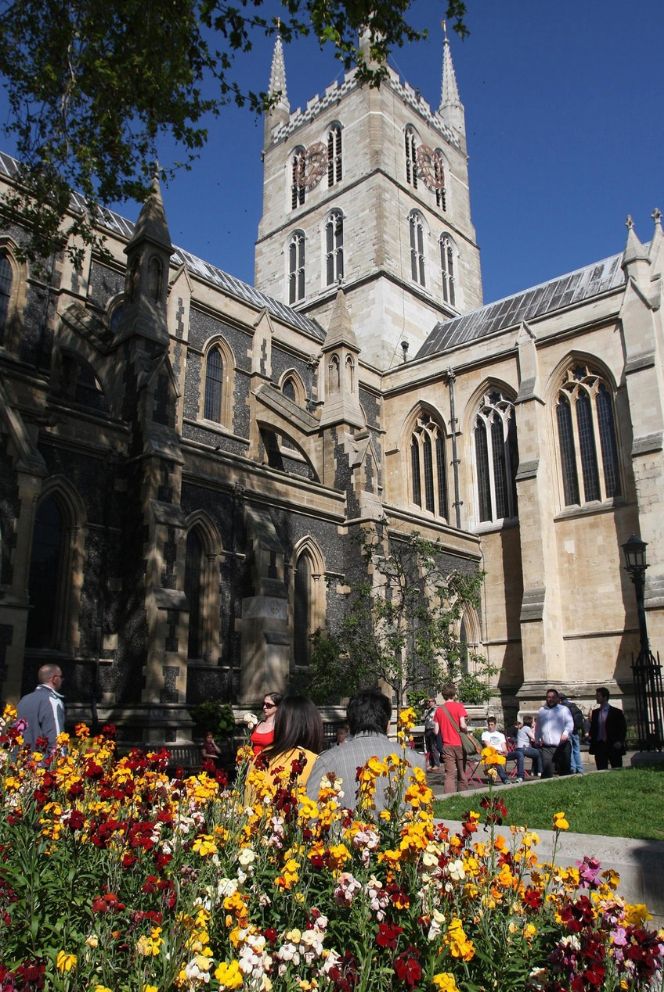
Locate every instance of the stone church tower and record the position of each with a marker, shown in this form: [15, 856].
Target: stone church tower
[369, 188]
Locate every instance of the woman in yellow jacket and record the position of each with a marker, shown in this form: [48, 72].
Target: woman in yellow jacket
[287, 763]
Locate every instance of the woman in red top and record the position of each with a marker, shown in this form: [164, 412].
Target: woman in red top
[262, 735]
[453, 759]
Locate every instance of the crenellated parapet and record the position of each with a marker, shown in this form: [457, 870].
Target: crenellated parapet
[333, 93]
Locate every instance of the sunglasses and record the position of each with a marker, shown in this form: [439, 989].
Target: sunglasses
[269, 706]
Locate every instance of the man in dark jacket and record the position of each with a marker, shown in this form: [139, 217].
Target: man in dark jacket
[43, 710]
[608, 730]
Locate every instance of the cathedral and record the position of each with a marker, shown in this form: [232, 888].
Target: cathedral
[186, 460]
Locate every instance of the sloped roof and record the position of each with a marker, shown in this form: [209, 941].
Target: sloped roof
[591, 280]
[114, 223]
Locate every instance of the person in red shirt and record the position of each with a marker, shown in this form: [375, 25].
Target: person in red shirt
[453, 759]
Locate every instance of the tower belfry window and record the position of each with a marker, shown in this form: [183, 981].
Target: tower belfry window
[334, 247]
[439, 181]
[411, 157]
[298, 191]
[334, 162]
[417, 269]
[296, 270]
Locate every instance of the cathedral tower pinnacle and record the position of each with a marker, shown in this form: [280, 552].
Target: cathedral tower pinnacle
[278, 113]
[451, 107]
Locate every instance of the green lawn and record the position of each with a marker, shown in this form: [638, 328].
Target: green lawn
[621, 803]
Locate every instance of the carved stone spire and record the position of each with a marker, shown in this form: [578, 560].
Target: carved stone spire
[657, 237]
[279, 112]
[451, 108]
[146, 279]
[277, 83]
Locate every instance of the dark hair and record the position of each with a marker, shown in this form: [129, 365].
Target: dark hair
[558, 694]
[449, 691]
[297, 724]
[276, 697]
[369, 710]
[604, 692]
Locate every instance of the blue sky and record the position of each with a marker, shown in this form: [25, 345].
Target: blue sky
[564, 121]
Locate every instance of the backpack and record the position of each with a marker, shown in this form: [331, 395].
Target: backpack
[429, 720]
[577, 716]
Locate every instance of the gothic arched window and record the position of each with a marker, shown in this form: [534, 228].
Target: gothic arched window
[47, 570]
[288, 389]
[6, 281]
[214, 384]
[193, 590]
[334, 163]
[587, 438]
[296, 269]
[428, 469]
[496, 457]
[411, 156]
[201, 587]
[416, 226]
[334, 247]
[298, 191]
[447, 264]
[302, 611]
[308, 592]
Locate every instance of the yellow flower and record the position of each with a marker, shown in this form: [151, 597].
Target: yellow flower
[65, 962]
[205, 845]
[101, 988]
[407, 718]
[229, 976]
[150, 988]
[636, 914]
[529, 931]
[560, 821]
[445, 981]
[457, 941]
[491, 757]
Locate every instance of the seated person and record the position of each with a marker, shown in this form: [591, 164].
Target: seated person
[289, 760]
[492, 737]
[525, 748]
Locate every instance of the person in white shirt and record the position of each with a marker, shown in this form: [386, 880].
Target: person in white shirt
[492, 737]
[553, 728]
[525, 748]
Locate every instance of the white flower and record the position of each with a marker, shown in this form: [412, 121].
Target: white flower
[456, 870]
[250, 720]
[226, 887]
[246, 856]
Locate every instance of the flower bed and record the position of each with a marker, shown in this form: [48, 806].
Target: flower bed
[115, 878]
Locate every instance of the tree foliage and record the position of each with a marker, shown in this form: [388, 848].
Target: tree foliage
[401, 627]
[93, 86]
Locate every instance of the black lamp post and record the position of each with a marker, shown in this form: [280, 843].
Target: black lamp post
[646, 669]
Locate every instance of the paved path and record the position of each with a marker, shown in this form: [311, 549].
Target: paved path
[640, 863]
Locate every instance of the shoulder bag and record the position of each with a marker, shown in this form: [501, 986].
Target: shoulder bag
[469, 743]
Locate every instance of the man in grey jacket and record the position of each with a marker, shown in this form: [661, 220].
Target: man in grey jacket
[44, 710]
[369, 714]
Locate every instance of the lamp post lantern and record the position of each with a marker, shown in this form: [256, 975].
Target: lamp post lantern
[646, 669]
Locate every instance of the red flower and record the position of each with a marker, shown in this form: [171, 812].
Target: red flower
[407, 968]
[75, 820]
[532, 898]
[271, 935]
[388, 935]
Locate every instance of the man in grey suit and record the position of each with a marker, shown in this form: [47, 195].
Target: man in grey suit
[368, 716]
[43, 709]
